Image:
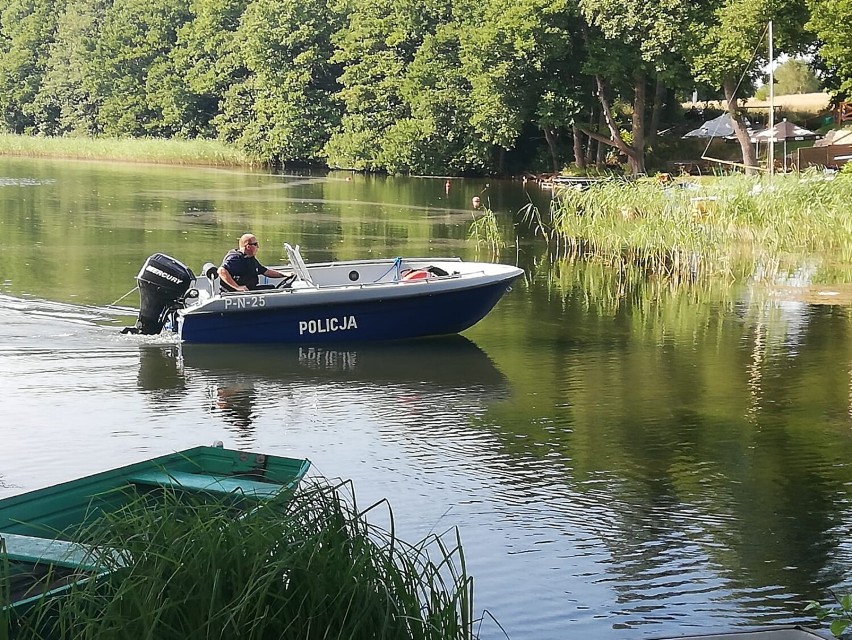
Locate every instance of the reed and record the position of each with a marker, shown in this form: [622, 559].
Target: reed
[734, 226]
[149, 150]
[311, 566]
[485, 233]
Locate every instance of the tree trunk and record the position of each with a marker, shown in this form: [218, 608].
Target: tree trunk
[635, 153]
[657, 110]
[550, 136]
[637, 159]
[591, 148]
[579, 158]
[600, 146]
[749, 155]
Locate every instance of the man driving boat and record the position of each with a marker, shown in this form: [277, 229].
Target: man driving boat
[240, 268]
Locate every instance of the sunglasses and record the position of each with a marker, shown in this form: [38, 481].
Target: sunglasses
[252, 244]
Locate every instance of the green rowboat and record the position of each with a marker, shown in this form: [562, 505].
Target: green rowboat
[40, 555]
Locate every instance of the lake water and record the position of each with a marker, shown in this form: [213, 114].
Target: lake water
[622, 459]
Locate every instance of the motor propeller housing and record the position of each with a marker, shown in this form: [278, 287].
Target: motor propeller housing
[163, 284]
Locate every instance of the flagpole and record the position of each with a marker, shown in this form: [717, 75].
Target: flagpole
[771, 104]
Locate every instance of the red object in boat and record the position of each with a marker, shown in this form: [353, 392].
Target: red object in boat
[416, 274]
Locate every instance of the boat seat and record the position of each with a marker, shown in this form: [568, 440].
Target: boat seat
[206, 483]
[44, 550]
[299, 266]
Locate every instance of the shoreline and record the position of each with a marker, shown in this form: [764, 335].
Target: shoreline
[131, 150]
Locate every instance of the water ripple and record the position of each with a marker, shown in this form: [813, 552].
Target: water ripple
[6, 181]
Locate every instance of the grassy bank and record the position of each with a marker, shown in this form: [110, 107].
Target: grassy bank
[149, 150]
[308, 567]
[738, 227]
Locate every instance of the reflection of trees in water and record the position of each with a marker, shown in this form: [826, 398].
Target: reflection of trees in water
[608, 286]
[716, 416]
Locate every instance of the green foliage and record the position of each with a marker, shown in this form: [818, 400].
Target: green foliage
[421, 87]
[285, 109]
[130, 67]
[375, 46]
[438, 136]
[628, 46]
[67, 100]
[831, 22]
[795, 76]
[434, 98]
[792, 76]
[732, 40]
[355, 147]
[655, 32]
[206, 56]
[731, 46]
[26, 31]
[556, 109]
[838, 615]
[308, 567]
[513, 54]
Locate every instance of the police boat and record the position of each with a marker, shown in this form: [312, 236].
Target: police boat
[341, 301]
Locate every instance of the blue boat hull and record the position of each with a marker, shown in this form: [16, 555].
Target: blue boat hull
[398, 318]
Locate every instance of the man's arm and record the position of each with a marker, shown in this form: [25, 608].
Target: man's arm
[272, 273]
[228, 279]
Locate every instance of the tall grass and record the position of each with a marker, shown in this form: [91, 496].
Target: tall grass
[151, 150]
[310, 567]
[732, 226]
[485, 233]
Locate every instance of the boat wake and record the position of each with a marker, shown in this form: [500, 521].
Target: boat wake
[47, 324]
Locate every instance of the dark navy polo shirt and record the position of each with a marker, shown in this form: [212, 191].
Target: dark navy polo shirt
[243, 269]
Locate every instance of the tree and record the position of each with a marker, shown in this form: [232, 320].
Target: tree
[27, 28]
[556, 110]
[732, 47]
[521, 59]
[285, 108]
[791, 77]
[207, 58]
[375, 46]
[632, 47]
[131, 70]
[831, 22]
[795, 76]
[437, 137]
[67, 102]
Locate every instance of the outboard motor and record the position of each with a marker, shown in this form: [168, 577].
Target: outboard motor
[163, 282]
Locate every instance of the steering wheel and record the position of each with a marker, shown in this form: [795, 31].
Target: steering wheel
[286, 282]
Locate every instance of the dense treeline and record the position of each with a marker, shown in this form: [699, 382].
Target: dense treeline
[404, 86]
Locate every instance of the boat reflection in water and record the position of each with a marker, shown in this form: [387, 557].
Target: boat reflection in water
[236, 403]
[243, 381]
[161, 373]
[449, 361]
